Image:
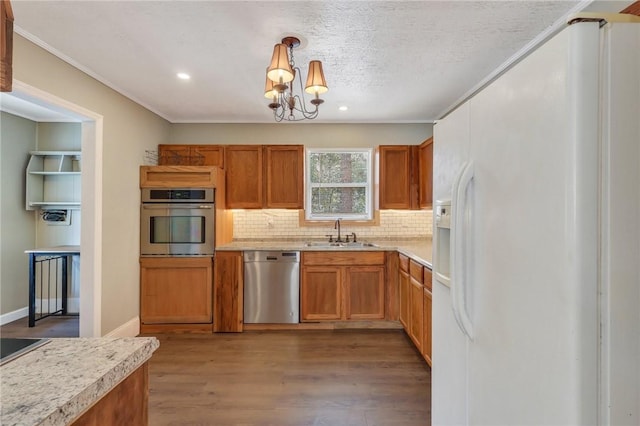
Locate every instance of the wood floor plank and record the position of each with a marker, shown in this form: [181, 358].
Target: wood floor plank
[301, 377]
[55, 326]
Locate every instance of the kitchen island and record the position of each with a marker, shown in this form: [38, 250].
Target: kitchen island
[68, 381]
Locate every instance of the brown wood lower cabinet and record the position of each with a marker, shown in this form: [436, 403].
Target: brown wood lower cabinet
[321, 293]
[228, 292]
[426, 328]
[404, 298]
[125, 404]
[176, 290]
[415, 303]
[342, 286]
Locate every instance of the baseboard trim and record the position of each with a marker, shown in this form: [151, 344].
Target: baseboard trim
[130, 328]
[15, 315]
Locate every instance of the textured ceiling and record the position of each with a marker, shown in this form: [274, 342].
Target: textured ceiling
[392, 62]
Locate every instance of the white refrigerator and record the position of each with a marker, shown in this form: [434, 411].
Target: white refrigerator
[536, 299]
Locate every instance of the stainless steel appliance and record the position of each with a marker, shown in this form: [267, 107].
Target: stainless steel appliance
[177, 222]
[271, 287]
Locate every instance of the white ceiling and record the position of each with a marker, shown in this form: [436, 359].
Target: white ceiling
[388, 61]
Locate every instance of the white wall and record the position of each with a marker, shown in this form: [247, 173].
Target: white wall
[17, 230]
[128, 129]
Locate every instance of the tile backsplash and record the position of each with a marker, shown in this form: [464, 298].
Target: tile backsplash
[272, 223]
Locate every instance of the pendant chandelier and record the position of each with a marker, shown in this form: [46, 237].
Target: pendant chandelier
[281, 77]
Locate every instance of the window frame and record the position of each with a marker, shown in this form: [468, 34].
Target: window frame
[368, 186]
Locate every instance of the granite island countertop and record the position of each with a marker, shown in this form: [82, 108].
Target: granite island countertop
[56, 382]
[418, 249]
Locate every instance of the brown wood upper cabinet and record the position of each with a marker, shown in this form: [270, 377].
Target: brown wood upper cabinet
[191, 155]
[284, 178]
[244, 167]
[265, 176]
[6, 46]
[425, 174]
[395, 176]
[406, 176]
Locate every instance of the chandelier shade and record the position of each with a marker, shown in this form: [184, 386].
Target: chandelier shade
[270, 91]
[280, 69]
[283, 85]
[316, 84]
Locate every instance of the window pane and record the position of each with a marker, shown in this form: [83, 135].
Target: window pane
[338, 167]
[338, 201]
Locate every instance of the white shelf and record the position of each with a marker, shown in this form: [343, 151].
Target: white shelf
[53, 179]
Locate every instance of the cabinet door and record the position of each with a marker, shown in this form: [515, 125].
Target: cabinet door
[228, 292]
[426, 326]
[425, 171]
[395, 177]
[174, 155]
[243, 166]
[208, 155]
[364, 292]
[284, 176]
[416, 314]
[405, 307]
[321, 293]
[175, 291]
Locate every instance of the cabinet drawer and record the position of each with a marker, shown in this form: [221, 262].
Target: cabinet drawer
[415, 270]
[404, 263]
[343, 258]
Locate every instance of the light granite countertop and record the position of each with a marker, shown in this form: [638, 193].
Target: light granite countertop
[57, 382]
[417, 249]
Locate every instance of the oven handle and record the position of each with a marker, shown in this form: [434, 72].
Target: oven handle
[176, 206]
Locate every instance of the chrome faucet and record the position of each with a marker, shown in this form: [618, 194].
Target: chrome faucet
[337, 226]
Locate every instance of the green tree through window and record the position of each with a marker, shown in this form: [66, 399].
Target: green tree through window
[339, 184]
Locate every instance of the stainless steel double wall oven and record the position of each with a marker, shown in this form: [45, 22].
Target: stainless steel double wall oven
[177, 222]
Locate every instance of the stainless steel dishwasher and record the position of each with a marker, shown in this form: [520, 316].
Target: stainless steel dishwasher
[271, 287]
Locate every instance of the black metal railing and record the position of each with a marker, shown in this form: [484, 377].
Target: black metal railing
[49, 294]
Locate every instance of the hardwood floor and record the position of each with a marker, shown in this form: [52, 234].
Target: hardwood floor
[332, 377]
[56, 326]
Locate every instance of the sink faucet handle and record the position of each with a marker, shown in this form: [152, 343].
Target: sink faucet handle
[347, 240]
[330, 237]
[354, 237]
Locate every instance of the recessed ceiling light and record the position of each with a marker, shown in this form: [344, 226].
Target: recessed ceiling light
[343, 108]
[183, 76]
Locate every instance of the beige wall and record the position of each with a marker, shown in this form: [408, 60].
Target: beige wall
[311, 135]
[128, 129]
[17, 225]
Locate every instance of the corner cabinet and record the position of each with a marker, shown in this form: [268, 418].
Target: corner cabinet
[342, 286]
[425, 174]
[406, 176]
[53, 180]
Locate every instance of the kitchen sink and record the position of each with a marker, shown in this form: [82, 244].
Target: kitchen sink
[322, 244]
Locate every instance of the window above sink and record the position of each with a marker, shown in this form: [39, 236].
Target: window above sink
[339, 184]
